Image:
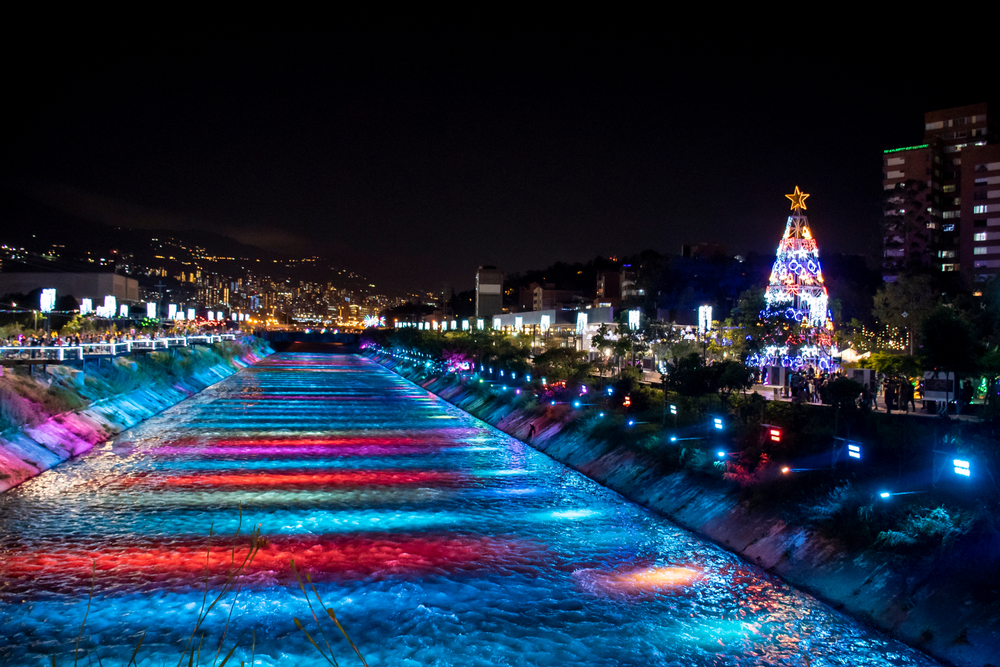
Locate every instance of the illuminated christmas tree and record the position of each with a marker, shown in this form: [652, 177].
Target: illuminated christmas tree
[796, 300]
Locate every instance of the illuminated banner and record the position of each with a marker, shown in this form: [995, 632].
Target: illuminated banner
[47, 302]
[581, 322]
[704, 319]
[633, 319]
[151, 310]
[86, 306]
[172, 311]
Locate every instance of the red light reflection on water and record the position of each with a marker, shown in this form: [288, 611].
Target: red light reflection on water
[184, 562]
[292, 479]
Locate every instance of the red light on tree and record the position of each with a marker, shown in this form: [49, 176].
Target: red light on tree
[628, 401]
[775, 434]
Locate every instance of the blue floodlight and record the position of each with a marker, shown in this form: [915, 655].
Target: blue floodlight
[601, 414]
[673, 438]
[553, 402]
[528, 378]
[673, 409]
[576, 404]
[630, 422]
[884, 494]
[854, 451]
[962, 468]
[611, 390]
[718, 423]
[721, 455]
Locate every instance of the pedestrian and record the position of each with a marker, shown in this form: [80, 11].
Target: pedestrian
[531, 431]
[907, 396]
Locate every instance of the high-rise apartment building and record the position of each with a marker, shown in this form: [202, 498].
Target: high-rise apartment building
[943, 197]
[489, 292]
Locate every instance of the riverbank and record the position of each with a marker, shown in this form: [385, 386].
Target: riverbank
[47, 418]
[943, 600]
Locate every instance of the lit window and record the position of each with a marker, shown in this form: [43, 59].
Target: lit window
[979, 236]
[979, 209]
[948, 188]
[946, 254]
[981, 250]
[947, 267]
[950, 227]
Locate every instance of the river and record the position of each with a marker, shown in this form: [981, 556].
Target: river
[435, 538]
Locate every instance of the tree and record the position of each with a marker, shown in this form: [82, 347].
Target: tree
[562, 363]
[949, 343]
[905, 304]
[731, 376]
[689, 376]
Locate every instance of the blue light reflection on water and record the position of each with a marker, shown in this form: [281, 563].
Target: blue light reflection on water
[502, 556]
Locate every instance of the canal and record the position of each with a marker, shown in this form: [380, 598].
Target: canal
[436, 539]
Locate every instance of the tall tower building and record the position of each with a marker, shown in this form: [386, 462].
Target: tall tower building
[489, 292]
[943, 197]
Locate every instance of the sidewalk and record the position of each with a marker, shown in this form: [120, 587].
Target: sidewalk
[767, 391]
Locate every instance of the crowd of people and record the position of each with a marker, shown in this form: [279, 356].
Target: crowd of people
[53, 339]
[43, 339]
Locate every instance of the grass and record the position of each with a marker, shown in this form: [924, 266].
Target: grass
[29, 400]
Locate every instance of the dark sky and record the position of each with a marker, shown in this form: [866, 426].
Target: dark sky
[414, 161]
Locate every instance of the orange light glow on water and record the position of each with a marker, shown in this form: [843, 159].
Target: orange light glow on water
[641, 582]
[658, 577]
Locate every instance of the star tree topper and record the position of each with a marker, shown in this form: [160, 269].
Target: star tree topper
[798, 199]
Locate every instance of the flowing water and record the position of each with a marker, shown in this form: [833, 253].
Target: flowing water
[436, 539]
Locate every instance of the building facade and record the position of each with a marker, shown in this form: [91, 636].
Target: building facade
[489, 291]
[943, 197]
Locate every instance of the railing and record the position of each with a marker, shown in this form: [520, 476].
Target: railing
[69, 353]
[151, 344]
[84, 350]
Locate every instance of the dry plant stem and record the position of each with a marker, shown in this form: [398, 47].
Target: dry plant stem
[298, 624]
[332, 660]
[226, 587]
[93, 582]
[136, 651]
[232, 563]
[333, 617]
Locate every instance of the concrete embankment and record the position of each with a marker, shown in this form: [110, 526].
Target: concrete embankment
[31, 450]
[945, 602]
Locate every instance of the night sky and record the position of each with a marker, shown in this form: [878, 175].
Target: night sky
[413, 161]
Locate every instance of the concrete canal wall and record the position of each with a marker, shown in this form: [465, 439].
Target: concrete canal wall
[944, 602]
[30, 450]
